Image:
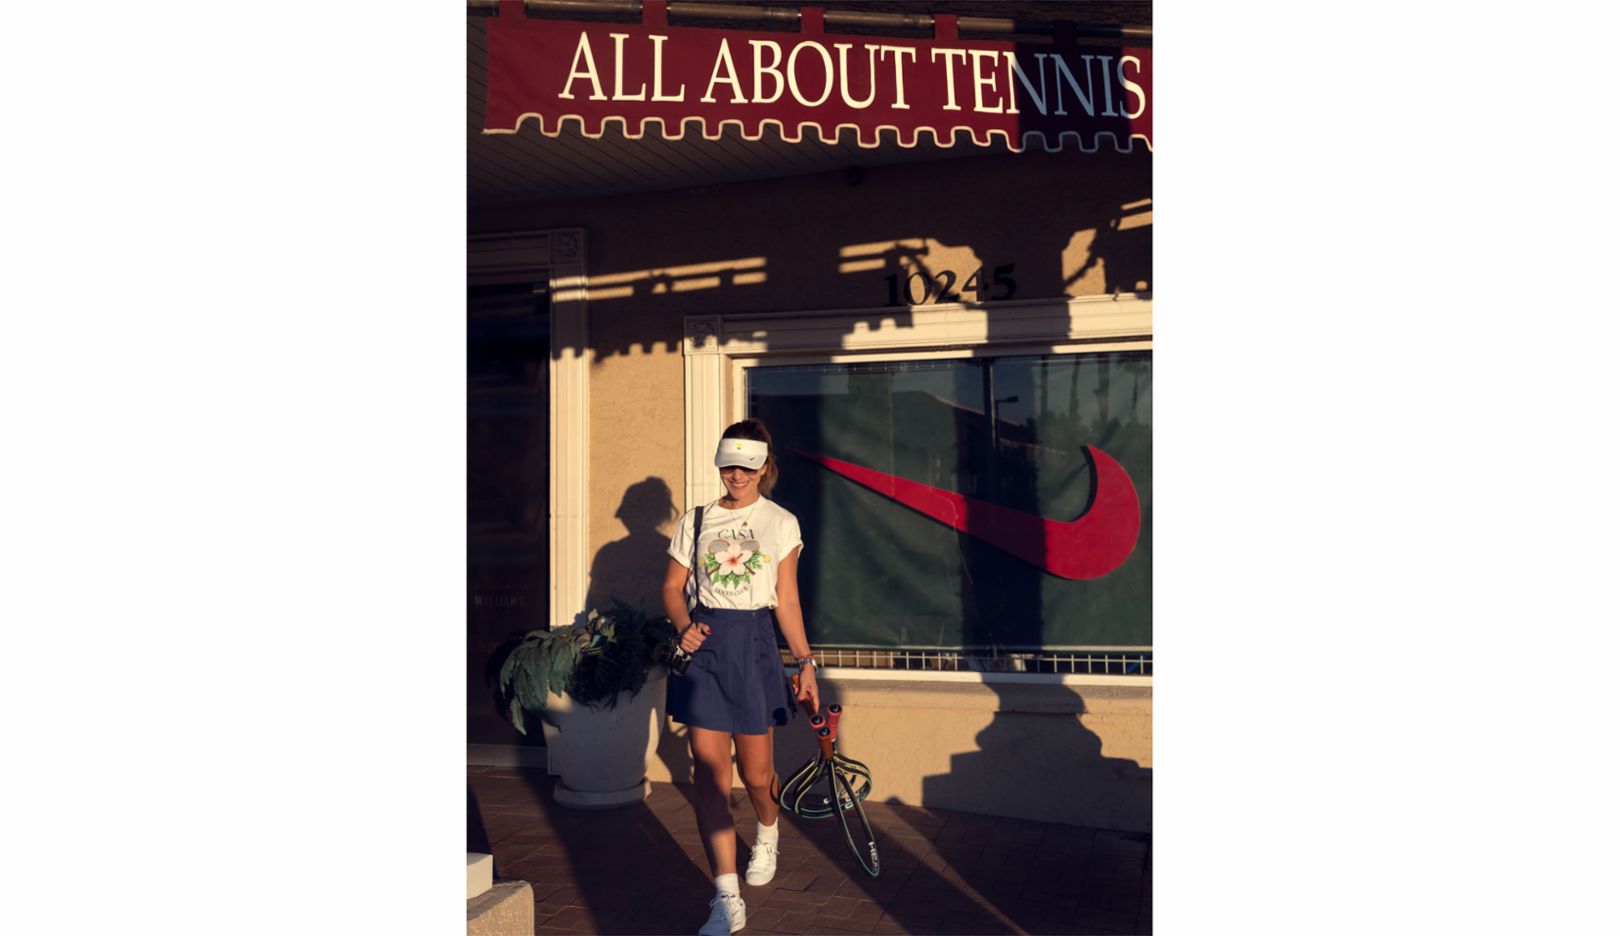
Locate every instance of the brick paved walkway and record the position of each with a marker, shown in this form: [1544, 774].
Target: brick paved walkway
[641, 869]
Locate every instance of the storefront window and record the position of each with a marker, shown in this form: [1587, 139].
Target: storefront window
[1010, 431]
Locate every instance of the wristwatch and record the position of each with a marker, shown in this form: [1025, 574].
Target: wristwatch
[807, 661]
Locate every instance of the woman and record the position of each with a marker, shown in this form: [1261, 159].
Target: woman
[734, 690]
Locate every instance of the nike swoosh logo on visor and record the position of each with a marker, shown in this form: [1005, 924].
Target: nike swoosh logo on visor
[1087, 547]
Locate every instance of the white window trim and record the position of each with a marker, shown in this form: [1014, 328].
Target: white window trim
[556, 258]
[738, 386]
[719, 347]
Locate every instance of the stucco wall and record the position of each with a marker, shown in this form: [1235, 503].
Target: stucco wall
[1076, 754]
[1071, 223]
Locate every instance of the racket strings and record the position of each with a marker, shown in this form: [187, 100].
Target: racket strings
[803, 794]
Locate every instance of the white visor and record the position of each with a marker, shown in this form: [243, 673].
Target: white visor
[745, 452]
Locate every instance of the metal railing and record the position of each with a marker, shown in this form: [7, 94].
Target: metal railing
[1096, 662]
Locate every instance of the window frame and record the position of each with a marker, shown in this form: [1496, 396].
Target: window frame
[718, 349]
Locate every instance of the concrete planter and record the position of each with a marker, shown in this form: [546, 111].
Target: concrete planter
[601, 753]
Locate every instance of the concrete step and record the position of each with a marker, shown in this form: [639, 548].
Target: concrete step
[480, 874]
[506, 910]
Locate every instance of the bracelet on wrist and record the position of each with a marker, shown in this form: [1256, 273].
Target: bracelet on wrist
[807, 661]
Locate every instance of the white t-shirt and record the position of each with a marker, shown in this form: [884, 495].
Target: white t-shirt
[738, 553]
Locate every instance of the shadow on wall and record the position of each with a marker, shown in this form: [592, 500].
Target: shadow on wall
[1048, 756]
[1027, 226]
[1022, 758]
[1059, 758]
[632, 568]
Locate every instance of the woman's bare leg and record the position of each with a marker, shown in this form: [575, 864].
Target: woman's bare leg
[711, 763]
[756, 761]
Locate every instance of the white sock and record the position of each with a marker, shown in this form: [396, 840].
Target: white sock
[725, 884]
[767, 834]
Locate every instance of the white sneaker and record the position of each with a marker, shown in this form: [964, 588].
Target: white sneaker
[761, 864]
[727, 917]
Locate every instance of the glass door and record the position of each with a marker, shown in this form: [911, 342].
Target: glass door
[508, 486]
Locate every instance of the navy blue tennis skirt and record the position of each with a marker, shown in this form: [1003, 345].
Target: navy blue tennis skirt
[735, 682]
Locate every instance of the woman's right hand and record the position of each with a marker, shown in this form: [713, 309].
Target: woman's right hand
[692, 638]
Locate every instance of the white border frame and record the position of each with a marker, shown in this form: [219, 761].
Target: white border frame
[556, 258]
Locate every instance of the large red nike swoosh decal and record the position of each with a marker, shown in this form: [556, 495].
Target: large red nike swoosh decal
[1087, 547]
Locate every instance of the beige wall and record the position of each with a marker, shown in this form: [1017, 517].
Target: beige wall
[1073, 223]
[1076, 754]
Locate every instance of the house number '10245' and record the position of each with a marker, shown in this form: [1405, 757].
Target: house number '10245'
[921, 288]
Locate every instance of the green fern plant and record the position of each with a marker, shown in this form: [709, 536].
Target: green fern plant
[612, 652]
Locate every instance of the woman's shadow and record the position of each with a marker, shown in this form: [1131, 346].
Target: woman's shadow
[582, 858]
[632, 568]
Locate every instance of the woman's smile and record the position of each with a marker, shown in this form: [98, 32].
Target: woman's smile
[740, 482]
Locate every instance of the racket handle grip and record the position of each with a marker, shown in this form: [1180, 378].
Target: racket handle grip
[824, 738]
[806, 703]
[834, 712]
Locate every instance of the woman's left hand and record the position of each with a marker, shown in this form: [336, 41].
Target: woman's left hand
[808, 690]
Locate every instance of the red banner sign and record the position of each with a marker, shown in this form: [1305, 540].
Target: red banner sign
[1033, 96]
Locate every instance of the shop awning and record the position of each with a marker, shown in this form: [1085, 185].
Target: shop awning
[654, 78]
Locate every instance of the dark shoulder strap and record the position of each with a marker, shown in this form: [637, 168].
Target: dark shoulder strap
[697, 530]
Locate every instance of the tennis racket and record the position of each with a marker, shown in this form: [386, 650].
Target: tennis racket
[830, 784]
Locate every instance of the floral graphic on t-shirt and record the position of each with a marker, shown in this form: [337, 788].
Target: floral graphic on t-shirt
[731, 565]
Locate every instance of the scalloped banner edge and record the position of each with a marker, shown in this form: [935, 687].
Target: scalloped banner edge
[703, 127]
